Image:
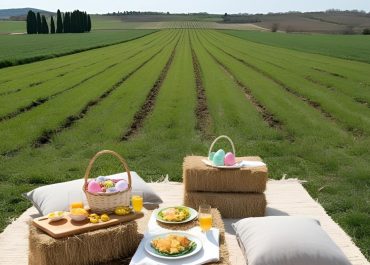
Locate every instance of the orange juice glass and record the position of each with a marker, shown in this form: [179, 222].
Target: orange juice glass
[205, 217]
[137, 203]
[74, 205]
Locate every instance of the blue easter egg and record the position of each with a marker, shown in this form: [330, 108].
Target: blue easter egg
[101, 179]
[211, 155]
[112, 189]
[218, 158]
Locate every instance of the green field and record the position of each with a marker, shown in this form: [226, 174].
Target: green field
[307, 115]
[353, 47]
[19, 49]
[9, 26]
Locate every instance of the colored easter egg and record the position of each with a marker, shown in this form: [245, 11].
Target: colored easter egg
[218, 158]
[101, 179]
[112, 189]
[229, 159]
[93, 187]
[121, 185]
[108, 184]
[211, 155]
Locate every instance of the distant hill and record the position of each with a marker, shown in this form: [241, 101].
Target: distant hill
[19, 12]
[330, 21]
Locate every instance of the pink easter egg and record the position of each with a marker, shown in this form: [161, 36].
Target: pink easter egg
[93, 187]
[121, 185]
[229, 159]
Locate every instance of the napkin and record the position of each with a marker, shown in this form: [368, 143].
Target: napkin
[209, 253]
[245, 163]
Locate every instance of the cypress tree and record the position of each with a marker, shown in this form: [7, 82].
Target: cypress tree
[67, 22]
[88, 23]
[29, 22]
[59, 22]
[52, 25]
[38, 23]
[44, 26]
[33, 23]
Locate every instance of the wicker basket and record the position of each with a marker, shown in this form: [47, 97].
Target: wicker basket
[218, 138]
[107, 202]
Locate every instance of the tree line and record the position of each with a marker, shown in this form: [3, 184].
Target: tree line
[68, 22]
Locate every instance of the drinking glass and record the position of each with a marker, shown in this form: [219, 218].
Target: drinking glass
[75, 200]
[205, 217]
[137, 201]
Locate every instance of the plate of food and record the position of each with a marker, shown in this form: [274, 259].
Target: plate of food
[176, 214]
[173, 245]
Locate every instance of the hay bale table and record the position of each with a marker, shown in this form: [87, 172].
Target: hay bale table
[93, 247]
[236, 193]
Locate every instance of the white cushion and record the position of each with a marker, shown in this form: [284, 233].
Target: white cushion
[287, 240]
[55, 197]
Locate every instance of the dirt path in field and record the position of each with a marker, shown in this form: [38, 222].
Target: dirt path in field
[201, 111]
[46, 137]
[149, 103]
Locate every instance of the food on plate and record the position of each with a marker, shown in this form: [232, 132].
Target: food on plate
[173, 245]
[55, 216]
[122, 210]
[174, 214]
[78, 214]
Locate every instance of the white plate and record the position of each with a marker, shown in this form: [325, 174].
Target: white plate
[209, 163]
[193, 215]
[148, 247]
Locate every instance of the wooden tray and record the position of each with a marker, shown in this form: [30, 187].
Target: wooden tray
[67, 227]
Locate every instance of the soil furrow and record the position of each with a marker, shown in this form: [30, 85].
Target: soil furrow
[10, 92]
[201, 112]
[46, 136]
[328, 72]
[40, 101]
[268, 117]
[149, 103]
[312, 103]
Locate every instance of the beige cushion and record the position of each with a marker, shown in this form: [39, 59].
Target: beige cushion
[55, 197]
[287, 240]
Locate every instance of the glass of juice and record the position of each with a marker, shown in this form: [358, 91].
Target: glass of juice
[137, 201]
[205, 217]
[75, 200]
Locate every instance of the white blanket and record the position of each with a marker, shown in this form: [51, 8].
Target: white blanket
[209, 253]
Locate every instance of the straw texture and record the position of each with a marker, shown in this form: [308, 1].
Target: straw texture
[230, 205]
[199, 177]
[94, 247]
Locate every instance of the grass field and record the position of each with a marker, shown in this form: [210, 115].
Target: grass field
[353, 47]
[19, 49]
[307, 115]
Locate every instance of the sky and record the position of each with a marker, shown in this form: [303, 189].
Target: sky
[189, 6]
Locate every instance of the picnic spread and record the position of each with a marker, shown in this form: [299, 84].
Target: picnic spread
[106, 228]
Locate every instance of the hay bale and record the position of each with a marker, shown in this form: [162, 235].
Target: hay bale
[230, 205]
[88, 248]
[199, 177]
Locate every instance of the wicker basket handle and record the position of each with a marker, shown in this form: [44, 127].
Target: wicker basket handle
[218, 138]
[121, 159]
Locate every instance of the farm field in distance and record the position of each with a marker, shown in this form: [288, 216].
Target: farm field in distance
[19, 49]
[352, 47]
[306, 114]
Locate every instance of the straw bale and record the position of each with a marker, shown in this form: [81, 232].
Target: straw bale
[230, 205]
[88, 248]
[199, 177]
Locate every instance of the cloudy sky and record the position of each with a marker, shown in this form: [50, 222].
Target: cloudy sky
[210, 6]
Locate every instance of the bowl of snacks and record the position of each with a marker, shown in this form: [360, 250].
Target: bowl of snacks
[78, 214]
[56, 216]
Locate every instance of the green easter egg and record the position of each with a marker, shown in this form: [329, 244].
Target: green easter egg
[211, 155]
[218, 158]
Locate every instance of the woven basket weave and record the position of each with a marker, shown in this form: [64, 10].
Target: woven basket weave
[107, 202]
